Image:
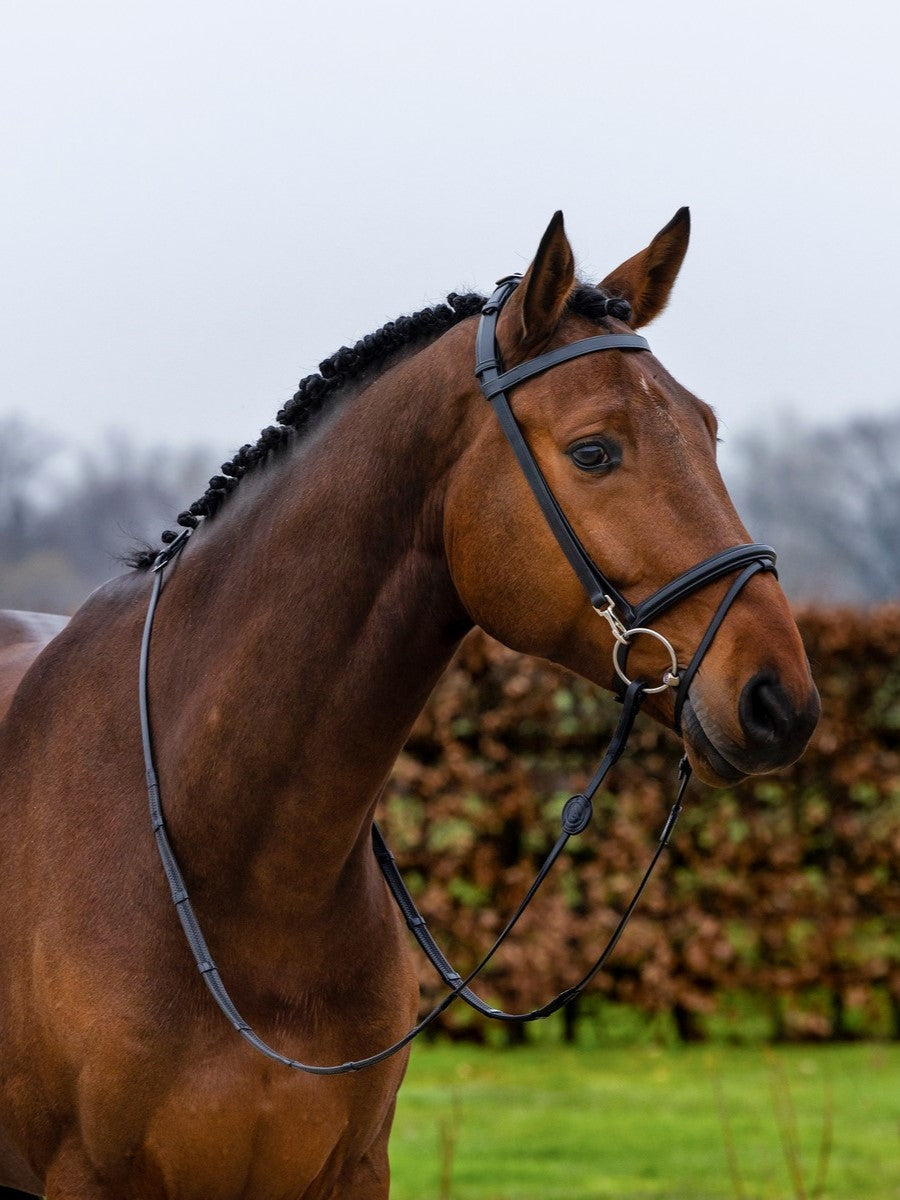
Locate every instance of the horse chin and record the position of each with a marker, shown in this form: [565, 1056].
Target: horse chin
[707, 760]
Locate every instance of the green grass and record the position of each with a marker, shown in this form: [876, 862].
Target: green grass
[560, 1123]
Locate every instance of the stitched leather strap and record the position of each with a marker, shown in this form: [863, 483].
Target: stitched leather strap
[708, 571]
[594, 582]
[688, 673]
[494, 385]
[536, 366]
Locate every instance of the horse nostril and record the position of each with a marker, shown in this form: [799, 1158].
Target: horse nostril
[766, 712]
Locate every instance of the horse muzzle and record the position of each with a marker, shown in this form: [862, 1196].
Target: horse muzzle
[774, 730]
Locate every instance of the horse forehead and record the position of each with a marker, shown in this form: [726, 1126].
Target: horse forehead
[636, 385]
[677, 409]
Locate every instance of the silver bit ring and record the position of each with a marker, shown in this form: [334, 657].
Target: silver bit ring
[670, 678]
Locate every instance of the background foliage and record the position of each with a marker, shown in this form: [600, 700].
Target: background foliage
[776, 910]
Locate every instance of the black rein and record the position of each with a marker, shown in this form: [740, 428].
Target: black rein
[626, 621]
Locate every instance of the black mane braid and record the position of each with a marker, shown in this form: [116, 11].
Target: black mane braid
[346, 366]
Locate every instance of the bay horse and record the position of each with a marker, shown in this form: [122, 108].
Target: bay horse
[298, 635]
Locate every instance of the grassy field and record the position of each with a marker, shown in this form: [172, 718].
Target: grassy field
[686, 1123]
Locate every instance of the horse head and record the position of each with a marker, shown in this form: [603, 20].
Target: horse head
[629, 455]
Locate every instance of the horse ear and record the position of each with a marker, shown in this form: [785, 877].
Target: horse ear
[646, 280]
[533, 311]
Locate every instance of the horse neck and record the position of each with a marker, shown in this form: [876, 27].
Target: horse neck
[298, 639]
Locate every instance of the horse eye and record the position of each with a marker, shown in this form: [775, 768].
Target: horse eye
[592, 456]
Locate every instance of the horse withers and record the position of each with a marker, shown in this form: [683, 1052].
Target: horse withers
[333, 569]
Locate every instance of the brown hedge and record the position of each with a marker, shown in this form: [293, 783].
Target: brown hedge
[783, 892]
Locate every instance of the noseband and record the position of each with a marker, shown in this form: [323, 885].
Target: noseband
[626, 622]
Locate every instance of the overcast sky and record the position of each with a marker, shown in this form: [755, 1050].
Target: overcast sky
[202, 200]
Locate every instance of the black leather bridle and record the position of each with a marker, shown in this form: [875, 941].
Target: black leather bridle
[607, 600]
[625, 621]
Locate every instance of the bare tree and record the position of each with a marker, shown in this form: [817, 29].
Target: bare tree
[24, 453]
[61, 537]
[829, 500]
[121, 495]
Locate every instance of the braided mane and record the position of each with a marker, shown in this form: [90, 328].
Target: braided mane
[349, 365]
